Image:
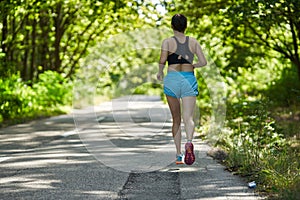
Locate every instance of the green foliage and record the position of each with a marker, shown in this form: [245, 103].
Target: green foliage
[280, 174]
[285, 89]
[20, 101]
[254, 131]
[242, 33]
[268, 24]
[11, 97]
[149, 89]
[257, 148]
[52, 90]
[37, 36]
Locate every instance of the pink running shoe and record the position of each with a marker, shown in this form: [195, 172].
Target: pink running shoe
[189, 157]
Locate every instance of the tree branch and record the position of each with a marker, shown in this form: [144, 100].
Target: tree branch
[287, 53]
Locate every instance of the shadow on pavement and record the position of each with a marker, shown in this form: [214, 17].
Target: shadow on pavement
[114, 151]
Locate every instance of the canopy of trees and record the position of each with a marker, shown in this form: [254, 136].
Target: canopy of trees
[37, 36]
[250, 29]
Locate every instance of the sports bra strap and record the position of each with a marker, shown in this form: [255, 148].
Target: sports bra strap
[186, 42]
[182, 54]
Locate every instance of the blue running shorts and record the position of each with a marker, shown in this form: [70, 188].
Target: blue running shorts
[180, 84]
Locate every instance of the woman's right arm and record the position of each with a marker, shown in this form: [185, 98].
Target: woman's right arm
[163, 59]
[199, 53]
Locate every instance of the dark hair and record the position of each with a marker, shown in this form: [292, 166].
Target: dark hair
[179, 22]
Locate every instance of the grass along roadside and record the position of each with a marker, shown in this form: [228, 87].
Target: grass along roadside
[262, 144]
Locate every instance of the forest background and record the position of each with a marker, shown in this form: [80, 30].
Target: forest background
[55, 55]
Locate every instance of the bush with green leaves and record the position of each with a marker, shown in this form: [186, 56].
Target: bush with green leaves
[52, 90]
[11, 99]
[19, 100]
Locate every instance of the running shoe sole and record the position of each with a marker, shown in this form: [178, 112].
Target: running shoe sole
[189, 157]
[179, 162]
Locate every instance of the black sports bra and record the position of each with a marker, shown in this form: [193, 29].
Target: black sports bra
[182, 55]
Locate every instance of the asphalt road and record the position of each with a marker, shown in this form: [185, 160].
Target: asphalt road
[121, 149]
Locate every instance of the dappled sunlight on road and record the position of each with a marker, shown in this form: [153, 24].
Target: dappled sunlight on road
[44, 164]
[102, 156]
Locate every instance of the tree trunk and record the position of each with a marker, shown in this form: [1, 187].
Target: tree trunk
[299, 72]
[44, 45]
[24, 71]
[4, 34]
[298, 68]
[3, 44]
[33, 46]
[58, 37]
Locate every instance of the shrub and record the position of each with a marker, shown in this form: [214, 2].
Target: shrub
[52, 90]
[18, 100]
[11, 98]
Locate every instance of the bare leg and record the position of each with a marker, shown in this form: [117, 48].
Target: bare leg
[174, 105]
[188, 104]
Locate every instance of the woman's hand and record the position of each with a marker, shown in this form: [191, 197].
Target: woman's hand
[160, 76]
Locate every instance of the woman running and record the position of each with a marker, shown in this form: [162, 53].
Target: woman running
[180, 83]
